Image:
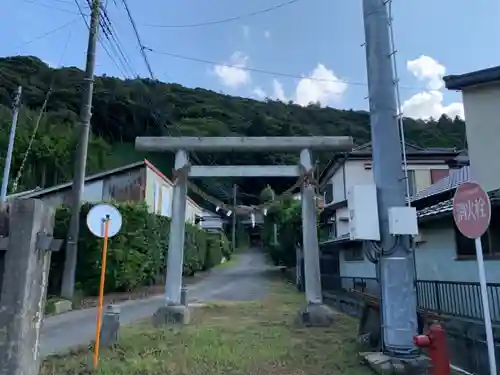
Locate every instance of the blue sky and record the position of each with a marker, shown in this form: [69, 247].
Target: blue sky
[321, 38]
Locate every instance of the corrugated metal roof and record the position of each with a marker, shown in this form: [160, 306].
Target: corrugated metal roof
[450, 182]
[40, 192]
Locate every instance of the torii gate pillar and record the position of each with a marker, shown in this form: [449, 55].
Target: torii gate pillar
[174, 311]
[315, 313]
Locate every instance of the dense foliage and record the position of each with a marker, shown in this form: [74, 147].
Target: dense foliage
[136, 255]
[125, 109]
[287, 217]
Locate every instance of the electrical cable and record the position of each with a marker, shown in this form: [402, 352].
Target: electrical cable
[100, 40]
[111, 35]
[39, 120]
[263, 71]
[230, 19]
[138, 37]
[52, 7]
[50, 32]
[108, 26]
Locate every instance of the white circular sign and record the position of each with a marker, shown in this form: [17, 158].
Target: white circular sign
[98, 215]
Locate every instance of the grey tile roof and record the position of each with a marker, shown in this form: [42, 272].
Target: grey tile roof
[447, 206]
[450, 182]
[440, 208]
[462, 81]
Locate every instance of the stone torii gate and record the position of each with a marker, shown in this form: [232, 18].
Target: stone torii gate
[315, 312]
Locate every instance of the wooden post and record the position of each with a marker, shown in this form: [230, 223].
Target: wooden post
[27, 244]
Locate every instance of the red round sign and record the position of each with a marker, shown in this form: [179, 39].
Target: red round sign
[471, 210]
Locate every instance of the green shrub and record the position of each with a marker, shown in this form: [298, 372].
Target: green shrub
[288, 218]
[136, 255]
[218, 247]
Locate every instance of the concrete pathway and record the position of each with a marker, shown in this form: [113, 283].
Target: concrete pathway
[242, 281]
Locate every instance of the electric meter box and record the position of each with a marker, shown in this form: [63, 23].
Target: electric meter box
[363, 213]
[403, 221]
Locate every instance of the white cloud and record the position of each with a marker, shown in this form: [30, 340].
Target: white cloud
[279, 91]
[425, 68]
[246, 31]
[429, 103]
[267, 34]
[259, 93]
[234, 76]
[324, 87]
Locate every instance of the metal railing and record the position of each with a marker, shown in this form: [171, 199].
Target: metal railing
[448, 298]
[459, 299]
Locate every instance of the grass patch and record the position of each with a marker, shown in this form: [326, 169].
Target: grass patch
[255, 338]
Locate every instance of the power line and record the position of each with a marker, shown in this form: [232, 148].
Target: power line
[47, 33]
[138, 37]
[106, 50]
[230, 19]
[262, 71]
[51, 6]
[111, 35]
[39, 119]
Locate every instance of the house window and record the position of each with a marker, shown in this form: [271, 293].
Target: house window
[354, 254]
[412, 183]
[438, 174]
[333, 229]
[329, 193]
[490, 241]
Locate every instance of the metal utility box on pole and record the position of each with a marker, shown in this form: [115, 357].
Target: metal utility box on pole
[10, 147]
[396, 276]
[68, 282]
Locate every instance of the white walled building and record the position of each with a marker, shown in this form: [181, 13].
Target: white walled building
[481, 99]
[425, 167]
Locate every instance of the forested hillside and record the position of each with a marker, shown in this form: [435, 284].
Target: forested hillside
[125, 109]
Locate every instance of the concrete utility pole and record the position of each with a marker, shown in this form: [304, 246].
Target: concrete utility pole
[10, 147]
[399, 304]
[233, 233]
[68, 282]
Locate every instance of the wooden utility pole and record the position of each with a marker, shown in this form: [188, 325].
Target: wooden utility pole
[68, 282]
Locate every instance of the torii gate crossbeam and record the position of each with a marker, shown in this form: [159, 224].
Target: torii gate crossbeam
[315, 312]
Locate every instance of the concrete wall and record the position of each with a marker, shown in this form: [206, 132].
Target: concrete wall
[482, 111]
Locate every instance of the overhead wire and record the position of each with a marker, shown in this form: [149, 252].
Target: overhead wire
[151, 73]
[47, 33]
[263, 71]
[229, 19]
[138, 37]
[104, 47]
[112, 37]
[39, 120]
[52, 7]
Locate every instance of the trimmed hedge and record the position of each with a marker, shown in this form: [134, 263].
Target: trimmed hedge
[136, 255]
